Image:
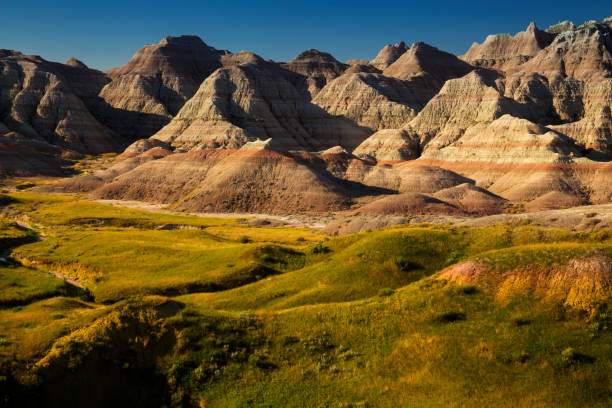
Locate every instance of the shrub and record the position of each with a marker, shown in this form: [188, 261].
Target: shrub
[386, 292]
[87, 295]
[319, 249]
[24, 185]
[518, 322]
[289, 340]
[449, 317]
[267, 258]
[571, 356]
[301, 239]
[406, 265]
[244, 239]
[262, 360]
[453, 258]
[4, 199]
[467, 290]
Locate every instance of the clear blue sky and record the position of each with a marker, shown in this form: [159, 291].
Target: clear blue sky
[104, 34]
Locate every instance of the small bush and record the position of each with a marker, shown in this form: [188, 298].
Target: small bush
[450, 317]
[385, 292]
[5, 200]
[301, 239]
[467, 290]
[288, 340]
[25, 185]
[517, 357]
[319, 249]
[406, 265]
[453, 258]
[262, 361]
[87, 295]
[267, 258]
[244, 239]
[571, 356]
[518, 322]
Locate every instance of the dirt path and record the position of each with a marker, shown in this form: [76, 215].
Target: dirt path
[293, 220]
[74, 286]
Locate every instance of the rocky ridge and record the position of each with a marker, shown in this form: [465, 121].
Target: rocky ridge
[519, 121]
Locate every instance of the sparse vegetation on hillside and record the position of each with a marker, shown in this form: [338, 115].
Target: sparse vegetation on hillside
[425, 315]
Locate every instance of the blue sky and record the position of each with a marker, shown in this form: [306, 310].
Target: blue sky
[107, 33]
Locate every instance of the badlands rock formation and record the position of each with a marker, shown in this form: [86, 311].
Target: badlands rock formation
[316, 68]
[370, 100]
[518, 123]
[251, 179]
[247, 102]
[504, 52]
[41, 105]
[389, 145]
[424, 60]
[388, 55]
[508, 140]
[153, 86]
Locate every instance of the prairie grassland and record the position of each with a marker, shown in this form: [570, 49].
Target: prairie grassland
[27, 332]
[399, 351]
[60, 209]
[283, 316]
[360, 265]
[19, 285]
[115, 263]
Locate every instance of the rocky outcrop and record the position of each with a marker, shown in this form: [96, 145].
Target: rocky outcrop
[584, 54]
[507, 140]
[406, 177]
[38, 105]
[561, 27]
[424, 60]
[460, 103]
[409, 204]
[249, 180]
[472, 199]
[505, 52]
[317, 68]
[370, 100]
[246, 102]
[154, 85]
[18, 160]
[144, 145]
[388, 55]
[389, 145]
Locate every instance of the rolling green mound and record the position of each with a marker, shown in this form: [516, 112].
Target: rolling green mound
[223, 313]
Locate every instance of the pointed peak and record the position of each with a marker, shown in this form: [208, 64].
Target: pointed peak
[532, 28]
[389, 54]
[401, 47]
[73, 62]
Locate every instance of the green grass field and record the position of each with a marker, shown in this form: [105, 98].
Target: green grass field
[219, 313]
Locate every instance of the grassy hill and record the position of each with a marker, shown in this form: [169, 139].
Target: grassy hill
[220, 312]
